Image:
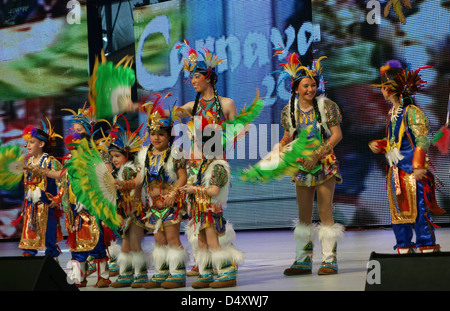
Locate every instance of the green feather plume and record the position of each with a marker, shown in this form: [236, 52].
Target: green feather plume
[234, 129]
[286, 165]
[93, 184]
[11, 166]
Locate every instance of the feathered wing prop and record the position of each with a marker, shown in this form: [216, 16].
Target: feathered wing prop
[93, 184]
[11, 166]
[236, 129]
[276, 165]
[110, 86]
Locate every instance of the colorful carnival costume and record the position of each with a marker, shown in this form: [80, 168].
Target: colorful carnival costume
[159, 173]
[405, 148]
[207, 211]
[41, 227]
[89, 231]
[326, 168]
[132, 264]
[306, 135]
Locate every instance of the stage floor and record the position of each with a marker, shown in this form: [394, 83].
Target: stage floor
[268, 253]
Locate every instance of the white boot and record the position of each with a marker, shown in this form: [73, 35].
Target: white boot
[328, 237]
[303, 235]
[78, 275]
[225, 261]
[140, 262]
[125, 278]
[161, 268]
[102, 272]
[176, 258]
[114, 250]
[206, 274]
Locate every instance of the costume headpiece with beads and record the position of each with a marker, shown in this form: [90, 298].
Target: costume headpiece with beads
[192, 64]
[46, 134]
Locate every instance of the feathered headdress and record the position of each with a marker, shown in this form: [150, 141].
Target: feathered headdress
[123, 139]
[157, 117]
[406, 83]
[110, 86]
[193, 64]
[47, 134]
[84, 116]
[294, 69]
[71, 141]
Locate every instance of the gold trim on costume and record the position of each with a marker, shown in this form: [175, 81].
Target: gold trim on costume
[408, 193]
[35, 239]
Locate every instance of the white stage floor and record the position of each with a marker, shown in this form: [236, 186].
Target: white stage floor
[268, 253]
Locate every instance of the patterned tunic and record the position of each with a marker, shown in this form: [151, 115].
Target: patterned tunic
[204, 211]
[38, 217]
[129, 205]
[327, 167]
[160, 173]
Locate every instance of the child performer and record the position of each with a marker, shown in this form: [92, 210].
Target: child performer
[163, 169]
[318, 174]
[410, 183]
[203, 78]
[207, 190]
[41, 229]
[86, 235]
[132, 260]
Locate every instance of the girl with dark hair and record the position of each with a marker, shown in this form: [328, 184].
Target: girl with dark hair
[163, 170]
[41, 228]
[132, 260]
[207, 189]
[410, 184]
[204, 79]
[207, 102]
[318, 174]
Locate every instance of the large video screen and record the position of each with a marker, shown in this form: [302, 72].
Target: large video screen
[43, 68]
[245, 33]
[43, 48]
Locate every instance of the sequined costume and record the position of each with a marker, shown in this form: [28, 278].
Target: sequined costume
[129, 205]
[207, 211]
[88, 237]
[160, 172]
[410, 200]
[41, 229]
[327, 166]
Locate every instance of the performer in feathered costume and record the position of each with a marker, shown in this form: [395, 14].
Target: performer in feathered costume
[163, 171]
[207, 188]
[133, 261]
[317, 173]
[41, 228]
[410, 184]
[89, 231]
[203, 77]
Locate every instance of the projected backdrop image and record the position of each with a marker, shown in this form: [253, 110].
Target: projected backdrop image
[44, 67]
[245, 33]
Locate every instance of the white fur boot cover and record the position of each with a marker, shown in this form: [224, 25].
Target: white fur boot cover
[303, 235]
[328, 237]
